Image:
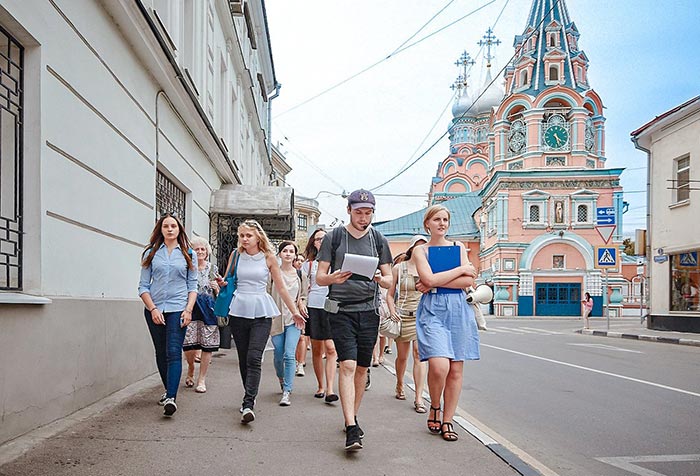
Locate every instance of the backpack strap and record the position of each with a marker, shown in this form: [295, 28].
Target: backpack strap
[335, 243]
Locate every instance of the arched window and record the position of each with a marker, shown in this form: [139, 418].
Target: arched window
[534, 213]
[553, 73]
[523, 78]
[552, 41]
[582, 214]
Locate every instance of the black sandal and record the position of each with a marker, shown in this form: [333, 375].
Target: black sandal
[432, 428]
[449, 434]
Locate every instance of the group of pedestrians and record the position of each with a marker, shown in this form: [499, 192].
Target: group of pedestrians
[338, 310]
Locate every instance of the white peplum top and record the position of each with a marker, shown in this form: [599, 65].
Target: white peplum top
[251, 300]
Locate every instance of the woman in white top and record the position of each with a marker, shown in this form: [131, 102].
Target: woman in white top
[252, 308]
[318, 328]
[284, 331]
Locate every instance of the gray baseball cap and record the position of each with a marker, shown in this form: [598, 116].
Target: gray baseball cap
[361, 199]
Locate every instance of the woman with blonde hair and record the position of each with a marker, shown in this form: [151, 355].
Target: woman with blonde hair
[252, 308]
[202, 333]
[168, 289]
[445, 324]
[402, 299]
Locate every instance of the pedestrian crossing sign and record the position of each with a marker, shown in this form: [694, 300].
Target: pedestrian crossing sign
[688, 260]
[606, 257]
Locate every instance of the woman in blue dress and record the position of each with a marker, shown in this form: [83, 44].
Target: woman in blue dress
[445, 324]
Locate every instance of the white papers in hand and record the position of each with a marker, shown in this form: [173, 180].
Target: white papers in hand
[360, 264]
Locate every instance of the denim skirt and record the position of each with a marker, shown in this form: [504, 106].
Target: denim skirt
[446, 327]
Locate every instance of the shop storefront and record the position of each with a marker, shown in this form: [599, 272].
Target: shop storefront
[685, 282]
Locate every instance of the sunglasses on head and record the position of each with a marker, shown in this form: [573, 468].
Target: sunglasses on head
[251, 224]
[169, 214]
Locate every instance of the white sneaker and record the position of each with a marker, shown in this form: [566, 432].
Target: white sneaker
[247, 416]
[300, 370]
[285, 401]
[169, 407]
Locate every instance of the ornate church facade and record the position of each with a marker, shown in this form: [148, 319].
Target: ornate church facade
[533, 152]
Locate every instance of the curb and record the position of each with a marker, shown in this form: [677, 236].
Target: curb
[499, 449]
[644, 337]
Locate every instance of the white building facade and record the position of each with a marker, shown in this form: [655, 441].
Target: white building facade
[111, 112]
[673, 238]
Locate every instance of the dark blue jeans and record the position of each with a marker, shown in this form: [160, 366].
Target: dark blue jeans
[167, 341]
[250, 336]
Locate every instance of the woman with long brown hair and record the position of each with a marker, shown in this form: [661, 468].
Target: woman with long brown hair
[168, 289]
[319, 328]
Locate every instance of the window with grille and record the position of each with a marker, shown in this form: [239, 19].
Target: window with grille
[682, 179]
[582, 214]
[302, 222]
[534, 213]
[11, 148]
[169, 198]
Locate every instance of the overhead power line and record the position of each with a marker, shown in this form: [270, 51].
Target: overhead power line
[449, 130]
[478, 54]
[390, 55]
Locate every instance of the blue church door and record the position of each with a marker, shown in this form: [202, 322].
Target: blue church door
[558, 299]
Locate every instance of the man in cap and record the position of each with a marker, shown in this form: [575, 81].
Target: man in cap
[353, 303]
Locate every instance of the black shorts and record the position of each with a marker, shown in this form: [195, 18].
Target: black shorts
[318, 326]
[354, 335]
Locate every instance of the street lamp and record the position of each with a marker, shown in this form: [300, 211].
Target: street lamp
[343, 194]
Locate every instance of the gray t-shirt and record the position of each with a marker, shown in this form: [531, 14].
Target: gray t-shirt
[356, 288]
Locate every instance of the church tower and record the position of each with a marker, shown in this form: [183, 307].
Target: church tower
[466, 168]
[547, 177]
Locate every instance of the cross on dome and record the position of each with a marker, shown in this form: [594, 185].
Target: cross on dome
[491, 40]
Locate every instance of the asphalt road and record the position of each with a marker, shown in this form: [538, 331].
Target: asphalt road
[585, 405]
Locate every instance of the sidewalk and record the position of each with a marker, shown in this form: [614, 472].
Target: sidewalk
[630, 328]
[205, 436]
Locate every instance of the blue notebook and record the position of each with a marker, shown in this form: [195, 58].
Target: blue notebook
[443, 258]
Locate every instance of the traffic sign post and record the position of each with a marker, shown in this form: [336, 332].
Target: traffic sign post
[606, 258]
[605, 300]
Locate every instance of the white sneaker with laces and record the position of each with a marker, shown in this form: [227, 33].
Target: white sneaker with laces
[285, 401]
[300, 370]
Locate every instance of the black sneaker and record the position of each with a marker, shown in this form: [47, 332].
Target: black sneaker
[359, 430]
[352, 438]
[368, 384]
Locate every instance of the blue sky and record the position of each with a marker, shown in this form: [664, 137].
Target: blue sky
[644, 59]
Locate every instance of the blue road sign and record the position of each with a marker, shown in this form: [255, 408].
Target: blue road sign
[605, 216]
[689, 260]
[605, 257]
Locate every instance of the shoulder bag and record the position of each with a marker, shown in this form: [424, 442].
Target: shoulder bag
[223, 300]
[387, 326]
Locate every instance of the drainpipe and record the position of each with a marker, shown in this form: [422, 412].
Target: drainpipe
[278, 86]
[635, 141]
